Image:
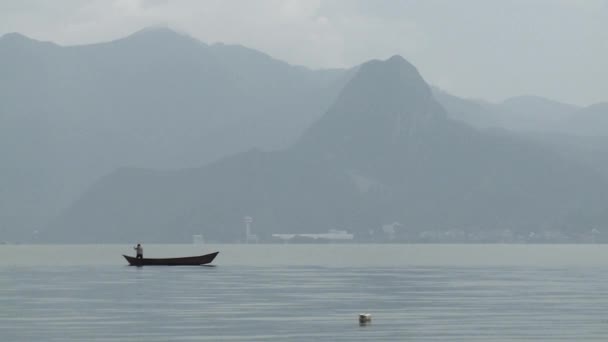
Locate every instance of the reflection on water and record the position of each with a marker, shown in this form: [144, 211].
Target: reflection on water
[269, 301]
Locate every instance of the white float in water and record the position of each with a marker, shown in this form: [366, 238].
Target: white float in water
[365, 318]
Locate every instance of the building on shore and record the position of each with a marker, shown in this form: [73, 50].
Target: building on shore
[331, 235]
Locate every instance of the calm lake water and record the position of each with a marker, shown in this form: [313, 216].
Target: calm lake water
[306, 293]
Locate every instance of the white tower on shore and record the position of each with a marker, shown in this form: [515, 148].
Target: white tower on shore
[248, 236]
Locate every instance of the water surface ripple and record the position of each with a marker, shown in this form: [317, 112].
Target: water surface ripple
[258, 302]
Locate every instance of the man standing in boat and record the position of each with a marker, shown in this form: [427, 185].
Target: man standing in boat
[140, 251]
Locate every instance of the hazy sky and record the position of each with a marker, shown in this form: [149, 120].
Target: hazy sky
[486, 49]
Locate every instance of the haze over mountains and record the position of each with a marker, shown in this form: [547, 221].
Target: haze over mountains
[115, 142]
[579, 133]
[157, 99]
[529, 114]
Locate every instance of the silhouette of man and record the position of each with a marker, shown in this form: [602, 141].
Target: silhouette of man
[140, 251]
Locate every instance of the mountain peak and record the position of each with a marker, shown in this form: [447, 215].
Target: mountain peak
[155, 30]
[161, 33]
[390, 86]
[398, 60]
[386, 103]
[395, 75]
[18, 40]
[393, 63]
[16, 36]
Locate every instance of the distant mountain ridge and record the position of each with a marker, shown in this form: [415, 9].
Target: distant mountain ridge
[528, 114]
[149, 110]
[384, 152]
[578, 133]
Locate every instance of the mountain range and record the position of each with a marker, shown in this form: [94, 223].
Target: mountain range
[385, 151]
[158, 136]
[155, 99]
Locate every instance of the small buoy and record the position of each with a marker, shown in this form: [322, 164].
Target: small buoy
[365, 318]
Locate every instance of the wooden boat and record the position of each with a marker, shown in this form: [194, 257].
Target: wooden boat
[186, 261]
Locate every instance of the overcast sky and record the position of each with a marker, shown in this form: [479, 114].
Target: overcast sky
[486, 49]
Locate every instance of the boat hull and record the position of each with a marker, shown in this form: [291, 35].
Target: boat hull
[186, 261]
